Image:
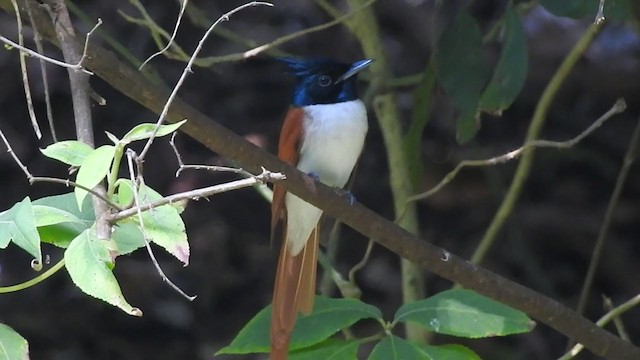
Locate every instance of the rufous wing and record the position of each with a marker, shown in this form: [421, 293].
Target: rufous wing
[288, 151]
[294, 288]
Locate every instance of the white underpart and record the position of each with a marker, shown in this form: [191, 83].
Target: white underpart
[331, 144]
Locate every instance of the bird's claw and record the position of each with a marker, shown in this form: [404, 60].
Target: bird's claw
[314, 176]
[347, 195]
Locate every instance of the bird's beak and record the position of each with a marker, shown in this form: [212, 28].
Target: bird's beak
[354, 69]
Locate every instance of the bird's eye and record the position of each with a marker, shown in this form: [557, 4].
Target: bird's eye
[324, 81]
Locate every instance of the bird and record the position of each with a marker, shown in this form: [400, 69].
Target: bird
[323, 136]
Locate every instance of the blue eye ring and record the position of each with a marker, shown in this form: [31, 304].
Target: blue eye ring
[324, 80]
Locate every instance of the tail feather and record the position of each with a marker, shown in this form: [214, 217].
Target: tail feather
[293, 293]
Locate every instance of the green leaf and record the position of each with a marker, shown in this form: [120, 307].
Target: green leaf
[395, 348]
[70, 152]
[114, 139]
[467, 124]
[94, 168]
[448, 352]
[89, 264]
[328, 317]
[511, 70]
[47, 215]
[18, 224]
[462, 70]
[332, 349]
[12, 345]
[616, 10]
[465, 313]
[420, 114]
[144, 131]
[162, 224]
[61, 234]
[127, 238]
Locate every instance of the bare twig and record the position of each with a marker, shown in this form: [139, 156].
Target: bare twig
[617, 108]
[596, 255]
[208, 61]
[257, 50]
[34, 179]
[78, 66]
[347, 289]
[25, 76]
[68, 183]
[183, 5]
[188, 70]
[43, 70]
[617, 321]
[615, 313]
[266, 176]
[130, 156]
[182, 166]
[361, 264]
[15, 156]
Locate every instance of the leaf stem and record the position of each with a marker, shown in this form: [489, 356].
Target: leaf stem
[36, 280]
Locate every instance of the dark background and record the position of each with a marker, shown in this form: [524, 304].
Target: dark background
[546, 243]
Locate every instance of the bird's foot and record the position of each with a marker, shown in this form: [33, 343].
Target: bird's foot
[314, 176]
[347, 195]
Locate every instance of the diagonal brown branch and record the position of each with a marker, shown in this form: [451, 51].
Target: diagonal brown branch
[384, 232]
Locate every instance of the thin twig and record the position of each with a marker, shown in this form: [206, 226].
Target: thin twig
[182, 166]
[617, 108]
[43, 70]
[69, 183]
[134, 183]
[266, 176]
[25, 76]
[183, 5]
[188, 70]
[257, 50]
[347, 289]
[361, 264]
[15, 156]
[34, 179]
[211, 60]
[596, 255]
[616, 312]
[77, 66]
[617, 321]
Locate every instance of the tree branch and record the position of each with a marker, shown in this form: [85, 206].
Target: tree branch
[228, 144]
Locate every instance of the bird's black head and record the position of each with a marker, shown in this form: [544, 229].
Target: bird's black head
[324, 81]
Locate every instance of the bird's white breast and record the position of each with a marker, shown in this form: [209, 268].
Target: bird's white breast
[332, 141]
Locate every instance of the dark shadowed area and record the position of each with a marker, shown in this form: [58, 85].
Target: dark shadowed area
[546, 244]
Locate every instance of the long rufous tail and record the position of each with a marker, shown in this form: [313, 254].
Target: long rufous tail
[293, 293]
